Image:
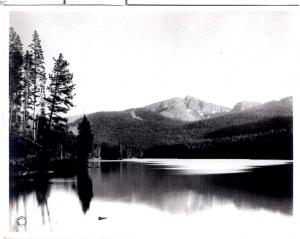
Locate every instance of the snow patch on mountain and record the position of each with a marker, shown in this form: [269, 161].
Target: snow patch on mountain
[134, 115]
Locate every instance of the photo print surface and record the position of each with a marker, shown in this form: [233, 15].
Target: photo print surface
[151, 123]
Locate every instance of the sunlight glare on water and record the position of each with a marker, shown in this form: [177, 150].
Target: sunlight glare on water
[209, 166]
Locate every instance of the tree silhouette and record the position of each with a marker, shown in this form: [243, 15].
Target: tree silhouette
[27, 96]
[15, 77]
[84, 140]
[60, 89]
[39, 79]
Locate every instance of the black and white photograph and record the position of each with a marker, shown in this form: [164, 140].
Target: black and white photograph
[151, 122]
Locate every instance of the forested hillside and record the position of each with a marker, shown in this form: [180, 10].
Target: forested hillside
[264, 131]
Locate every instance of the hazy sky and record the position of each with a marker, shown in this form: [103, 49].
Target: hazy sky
[125, 57]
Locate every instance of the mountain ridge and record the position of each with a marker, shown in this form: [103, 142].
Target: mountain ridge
[186, 109]
[190, 109]
[264, 131]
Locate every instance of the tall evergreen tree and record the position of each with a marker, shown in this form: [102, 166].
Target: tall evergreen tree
[39, 79]
[60, 88]
[15, 77]
[84, 140]
[42, 127]
[28, 79]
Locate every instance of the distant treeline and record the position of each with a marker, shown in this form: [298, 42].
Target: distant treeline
[271, 145]
[267, 138]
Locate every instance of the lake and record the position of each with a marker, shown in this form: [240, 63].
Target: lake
[160, 198]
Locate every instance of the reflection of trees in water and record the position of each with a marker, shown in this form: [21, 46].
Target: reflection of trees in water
[265, 188]
[84, 190]
[111, 167]
[42, 190]
[21, 188]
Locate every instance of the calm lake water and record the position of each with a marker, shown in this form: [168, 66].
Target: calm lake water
[161, 198]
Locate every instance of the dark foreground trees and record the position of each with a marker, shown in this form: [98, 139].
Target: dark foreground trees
[15, 78]
[37, 123]
[84, 140]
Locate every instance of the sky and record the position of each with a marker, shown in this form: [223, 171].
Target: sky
[127, 57]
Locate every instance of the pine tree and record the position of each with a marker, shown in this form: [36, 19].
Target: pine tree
[28, 79]
[60, 89]
[39, 79]
[84, 140]
[15, 77]
[42, 127]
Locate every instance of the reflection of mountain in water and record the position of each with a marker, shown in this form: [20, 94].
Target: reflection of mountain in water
[264, 188]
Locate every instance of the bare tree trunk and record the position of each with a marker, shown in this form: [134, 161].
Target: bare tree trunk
[11, 114]
[33, 125]
[61, 151]
[10, 118]
[37, 121]
[52, 104]
[34, 119]
[25, 118]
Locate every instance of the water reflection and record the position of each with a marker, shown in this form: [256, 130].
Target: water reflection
[84, 190]
[132, 183]
[21, 189]
[263, 188]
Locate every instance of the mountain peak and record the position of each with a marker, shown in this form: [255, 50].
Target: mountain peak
[188, 108]
[287, 100]
[188, 97]
[244, 105]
